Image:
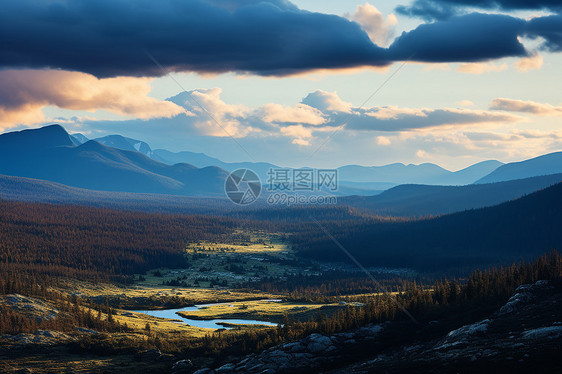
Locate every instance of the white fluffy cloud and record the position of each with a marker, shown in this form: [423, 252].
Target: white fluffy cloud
[301, 135]
[379, 28]
[533, 62]
[306, 123]
[300, 113]
[204, 113]
[327, 102]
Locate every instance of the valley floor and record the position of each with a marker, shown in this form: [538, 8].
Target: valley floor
[343, 329]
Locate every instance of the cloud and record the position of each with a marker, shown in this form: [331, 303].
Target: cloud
[481, 67]
[507, 4]
[532, 107]
[300, 113]
[465, 103]
[533, 62]
[383, 140]
[327, 101]
[394, 112]
[489, 136]
[549, 28]
[427, 10]
[214, 117]
[443, 9]
[406, 119]
[301, 134]
[379, 29]
[473, 37]
[453, 137]
[537, 134]
[24, 93]
[109, 37]
[438, 66]
[299, 124]
[422, 154]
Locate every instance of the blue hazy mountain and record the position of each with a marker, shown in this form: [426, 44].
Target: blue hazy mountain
[202, 160]
[423, 200]
[543, 165]
[469, 174]
[353, 177]
[127, 144]
[426, 173]
[34, 140]
[49, 153]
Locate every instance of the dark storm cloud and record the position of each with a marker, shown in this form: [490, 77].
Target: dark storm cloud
[108, 37]
[428, 10]
[264, 37]
[442, 9]
[472, 37]
[549, 28]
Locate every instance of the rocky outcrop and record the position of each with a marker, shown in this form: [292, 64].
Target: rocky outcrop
[523, 295]
[523, 335]
[312, 352]
[29, 306]
[152, 355]
[38, 338]
[182, 366]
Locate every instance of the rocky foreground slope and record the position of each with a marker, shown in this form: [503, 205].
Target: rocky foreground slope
[522, 336]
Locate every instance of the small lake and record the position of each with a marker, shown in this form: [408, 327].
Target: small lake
[206, 324]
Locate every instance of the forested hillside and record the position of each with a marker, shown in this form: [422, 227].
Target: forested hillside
[422, 200]
[520, 229]
[83, 242]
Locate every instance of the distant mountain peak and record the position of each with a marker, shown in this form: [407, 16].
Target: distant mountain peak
[542, 165]
[126, 144]
[51, 131]
[34, 139]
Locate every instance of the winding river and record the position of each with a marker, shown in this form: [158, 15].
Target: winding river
[207, 324]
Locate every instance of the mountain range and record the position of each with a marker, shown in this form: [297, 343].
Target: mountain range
[118, 163]
[49, 153]
[426, 173]
[354, 179]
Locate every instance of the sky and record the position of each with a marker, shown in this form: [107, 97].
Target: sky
[295, 83]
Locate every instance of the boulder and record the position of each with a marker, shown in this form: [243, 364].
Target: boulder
[183, 366]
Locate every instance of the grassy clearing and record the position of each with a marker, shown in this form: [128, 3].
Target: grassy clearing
[248, 243]
[188, 296]
[246, 257]
[262, 311]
